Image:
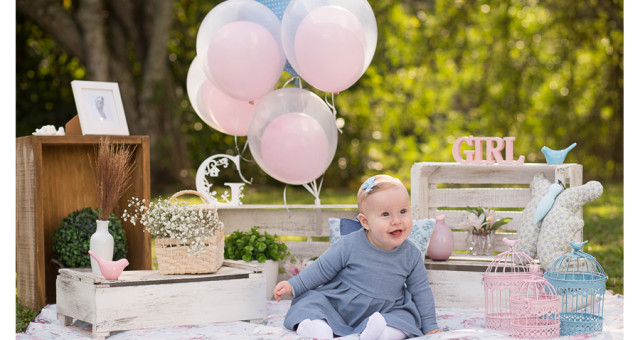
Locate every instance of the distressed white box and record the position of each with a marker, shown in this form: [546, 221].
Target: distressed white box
[147, 299]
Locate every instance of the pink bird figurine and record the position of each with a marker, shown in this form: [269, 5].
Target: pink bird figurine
[111, 270]
[509, 243]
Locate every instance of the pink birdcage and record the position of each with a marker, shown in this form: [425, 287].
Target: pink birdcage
[505, 273]
[535, 309]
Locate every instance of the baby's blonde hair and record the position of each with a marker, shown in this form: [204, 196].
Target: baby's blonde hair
[375, 184]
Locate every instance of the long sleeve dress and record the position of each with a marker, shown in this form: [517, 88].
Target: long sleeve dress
[354, 279]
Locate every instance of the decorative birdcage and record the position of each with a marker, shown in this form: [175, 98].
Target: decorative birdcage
[505, 273]
[535, 306]
[581, 283]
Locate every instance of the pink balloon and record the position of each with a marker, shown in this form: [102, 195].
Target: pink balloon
[294, 148]
[329, 47]
[229, 115]
[244, 60]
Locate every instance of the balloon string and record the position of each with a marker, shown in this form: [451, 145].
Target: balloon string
[235, 138]
[332, 106]
[284, 198]
[296, 81]
[314, 189]
[244, 148]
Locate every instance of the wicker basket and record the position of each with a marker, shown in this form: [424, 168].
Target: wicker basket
[173, 255]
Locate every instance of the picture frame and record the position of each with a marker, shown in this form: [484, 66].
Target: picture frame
[100, 108]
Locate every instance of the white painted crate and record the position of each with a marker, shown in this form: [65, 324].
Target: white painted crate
[146, 299]
[448, 188]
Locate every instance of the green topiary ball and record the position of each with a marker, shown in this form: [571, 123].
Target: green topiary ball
[71, 238]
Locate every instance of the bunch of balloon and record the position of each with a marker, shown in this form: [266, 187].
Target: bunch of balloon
[239, 58]
[329, 43]
[243, 46]
[293, 135]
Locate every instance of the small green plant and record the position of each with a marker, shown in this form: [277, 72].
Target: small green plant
[252, 245]
[24, 316]
[71, 238]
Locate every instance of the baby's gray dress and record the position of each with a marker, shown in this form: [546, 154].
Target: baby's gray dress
[354, 279]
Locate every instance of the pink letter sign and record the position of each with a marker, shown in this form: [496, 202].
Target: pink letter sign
[493, 146]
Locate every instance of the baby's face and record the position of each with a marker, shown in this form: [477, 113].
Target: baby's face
[387, 217]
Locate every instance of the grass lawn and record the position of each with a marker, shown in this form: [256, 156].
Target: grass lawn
[603, 228]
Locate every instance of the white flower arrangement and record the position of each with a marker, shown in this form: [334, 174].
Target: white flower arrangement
[482, 220]
[189, 224]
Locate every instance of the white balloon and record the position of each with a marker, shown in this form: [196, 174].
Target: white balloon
[195, 80]
[223, 19]
[297, 10]
[308, 148]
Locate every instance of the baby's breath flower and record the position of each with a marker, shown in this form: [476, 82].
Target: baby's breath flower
[180, 221]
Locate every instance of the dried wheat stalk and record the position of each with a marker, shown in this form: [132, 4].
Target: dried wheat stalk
[112, 167]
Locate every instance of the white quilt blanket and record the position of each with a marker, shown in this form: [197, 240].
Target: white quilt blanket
[457, 323]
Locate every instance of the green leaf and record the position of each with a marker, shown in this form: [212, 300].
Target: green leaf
[499, 223]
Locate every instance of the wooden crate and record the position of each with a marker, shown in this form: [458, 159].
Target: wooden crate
[53, 179]
[448, 188]
[146, 299]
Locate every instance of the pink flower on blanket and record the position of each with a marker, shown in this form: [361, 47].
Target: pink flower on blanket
[294, 267]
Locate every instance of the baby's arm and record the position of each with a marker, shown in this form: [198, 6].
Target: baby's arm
[322, 270]
[282, 288]
[418, 286]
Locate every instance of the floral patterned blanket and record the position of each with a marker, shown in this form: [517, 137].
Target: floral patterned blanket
[457, 323]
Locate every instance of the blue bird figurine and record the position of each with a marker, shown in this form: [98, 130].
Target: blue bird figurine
[577, 246]
[556, 156]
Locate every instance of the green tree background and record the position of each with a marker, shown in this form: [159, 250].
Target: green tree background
[548, 73]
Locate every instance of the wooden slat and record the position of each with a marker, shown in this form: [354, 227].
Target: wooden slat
[453, 218]
[479, 197]
[307, 250]
[456, 288]
[298, 220]
[456, 173]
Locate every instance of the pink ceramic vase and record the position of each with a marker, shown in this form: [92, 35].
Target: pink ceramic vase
[441, 241]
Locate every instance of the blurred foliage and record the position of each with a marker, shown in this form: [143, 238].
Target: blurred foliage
[24, 315]
[548, 73]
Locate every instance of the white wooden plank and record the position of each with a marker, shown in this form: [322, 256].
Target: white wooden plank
[453, 173]
[306, 250]
[129, 277]
[75, 298]
[180, 304]
[480, 197]
[299, 220]
[454, 218]
[456, 288]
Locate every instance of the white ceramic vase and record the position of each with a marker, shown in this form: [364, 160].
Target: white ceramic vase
[101, 243]
[270, 270]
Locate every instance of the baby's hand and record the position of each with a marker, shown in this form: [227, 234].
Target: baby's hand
[282, 288]
[434, 331]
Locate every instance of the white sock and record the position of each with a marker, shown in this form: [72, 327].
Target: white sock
[391, 333]
[375, 327]
[317, 329]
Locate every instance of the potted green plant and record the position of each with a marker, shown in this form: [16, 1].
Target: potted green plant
[70, 241]
[262, 249]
